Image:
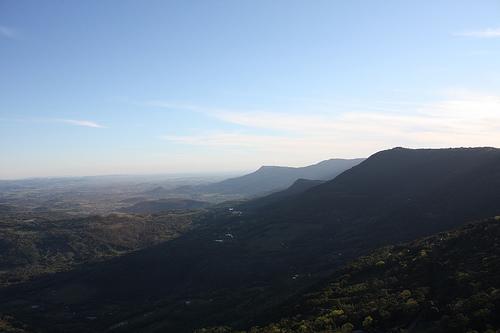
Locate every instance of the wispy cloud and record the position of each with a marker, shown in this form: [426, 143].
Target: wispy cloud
[485, 33]
[84, 123]
[460, 118]
[7, 32]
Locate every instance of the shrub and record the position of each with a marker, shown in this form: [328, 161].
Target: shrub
[347, 328]
[368, 322]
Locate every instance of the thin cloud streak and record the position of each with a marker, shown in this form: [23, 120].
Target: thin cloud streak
[486, 33]
[83, 123]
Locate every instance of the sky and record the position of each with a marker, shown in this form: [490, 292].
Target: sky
[136, 87]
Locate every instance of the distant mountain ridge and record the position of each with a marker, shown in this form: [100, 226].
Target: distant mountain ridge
[268, 179]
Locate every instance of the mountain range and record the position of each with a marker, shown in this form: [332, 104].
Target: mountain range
[243, 263]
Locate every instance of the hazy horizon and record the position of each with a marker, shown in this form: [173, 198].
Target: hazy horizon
[128, 88]
[199, 173]
[214, 173]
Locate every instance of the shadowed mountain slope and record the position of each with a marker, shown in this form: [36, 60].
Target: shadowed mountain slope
[404, 192]
[298, 187]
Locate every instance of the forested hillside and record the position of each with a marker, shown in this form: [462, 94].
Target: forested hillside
[449, 282]
[32, 246]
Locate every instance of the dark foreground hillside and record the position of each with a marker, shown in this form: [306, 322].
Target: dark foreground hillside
[449, 282]
[243, 263]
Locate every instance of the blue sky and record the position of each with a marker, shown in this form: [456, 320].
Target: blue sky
[112, 87]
